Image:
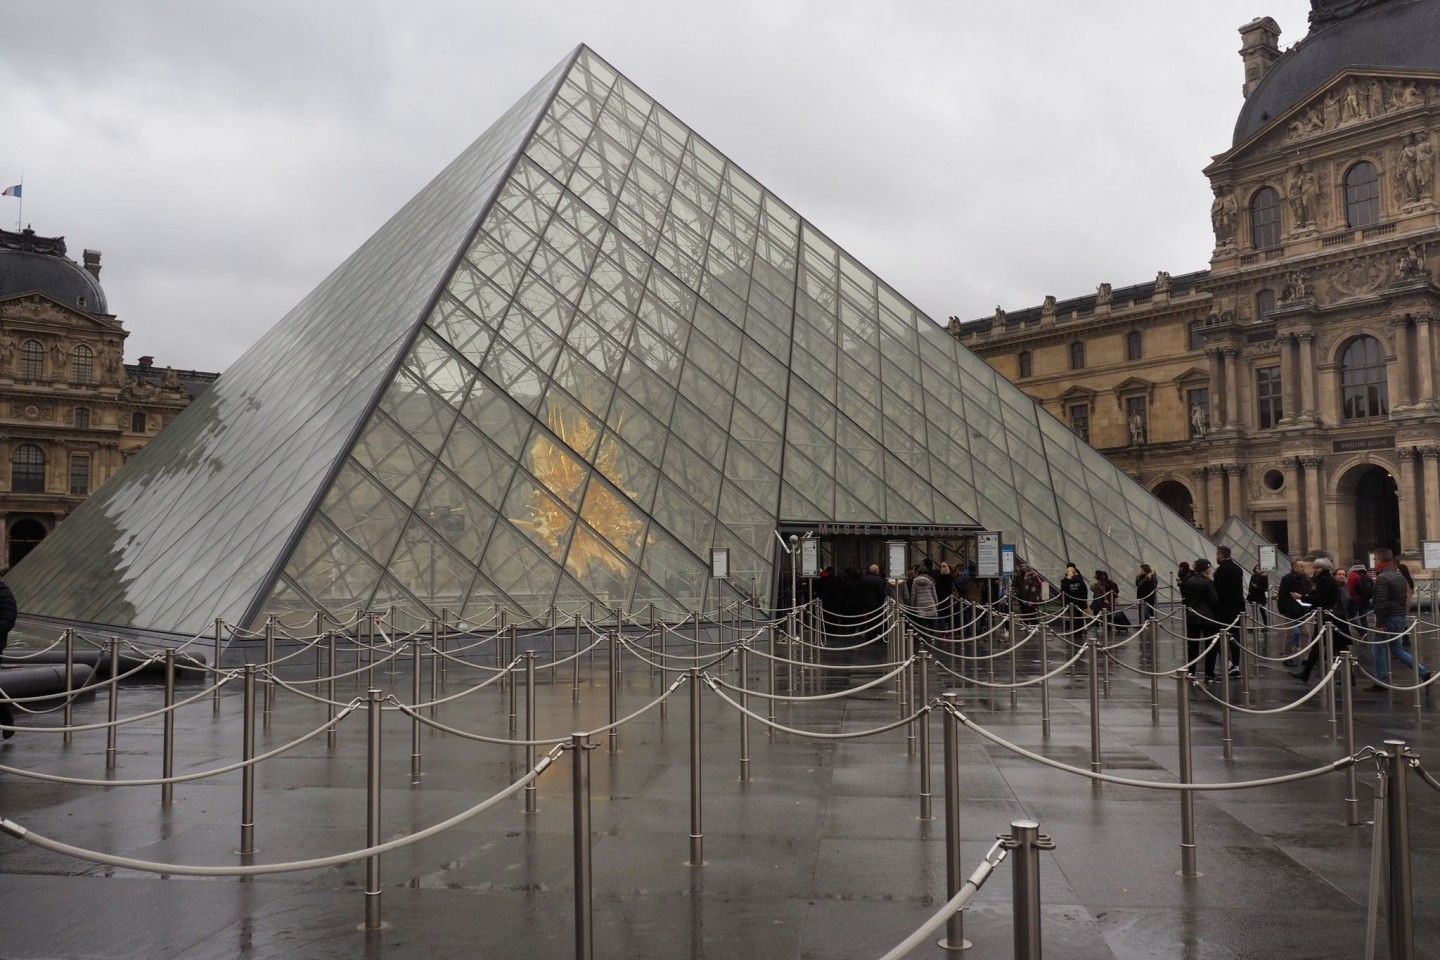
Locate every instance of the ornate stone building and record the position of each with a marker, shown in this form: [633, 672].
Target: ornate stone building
[71, 411]
[1294, 383]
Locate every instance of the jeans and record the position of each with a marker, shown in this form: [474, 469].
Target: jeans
[1147, 611]
[1393, 628]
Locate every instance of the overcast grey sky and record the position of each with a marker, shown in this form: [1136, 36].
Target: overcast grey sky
[226, 156]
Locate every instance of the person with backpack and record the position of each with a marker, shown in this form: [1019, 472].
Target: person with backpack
[1361, 588]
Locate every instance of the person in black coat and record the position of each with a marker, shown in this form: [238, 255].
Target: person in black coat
[1076, 594]
[1202, 616]
[1327, 595]
[1230, 588]
[9, 611]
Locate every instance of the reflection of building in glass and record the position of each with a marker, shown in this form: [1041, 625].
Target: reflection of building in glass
[1296, 382]
[589, 352]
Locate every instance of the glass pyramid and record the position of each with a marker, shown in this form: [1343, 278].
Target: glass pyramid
[590, 350]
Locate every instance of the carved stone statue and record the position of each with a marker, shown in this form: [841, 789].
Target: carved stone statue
[1162, 282]
[1197, 421]
[953, 325]
[7, 350]
[1103, 294]
[57, 357]
[1424, 163]
[1303, 190]
[1297, 287]
[169, 379]
[1224, 216]
[1407, 171]
[1412, 263]
[1000, 316]
[1047, 309]
[1137, 428]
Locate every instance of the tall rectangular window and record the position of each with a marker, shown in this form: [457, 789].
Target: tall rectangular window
[1080, 420]
[1077, 355]
[1134, 346]
[1267, 397]
[80, 474]
[1195, 335]
[1027, 364]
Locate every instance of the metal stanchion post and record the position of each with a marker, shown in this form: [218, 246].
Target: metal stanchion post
[742, 655]
[1347, 701]
[614, 691]
[315, 643]
[372, 815]
[415, 680]
[1327, 659]
[1105, 660]
[1187, 775]
[247, 773]
[167, 763]
[270, 667]
[575, 664]
[1044, 684]
[434, 666]
[531, 793]
[330, 734]
[954, 865]
[580, 794]
[1025, 873]
[926, 799]
[651, 633]
[1154, 628]
[219, 639]
[444, 644]
[68, 710]
[697, 835]
[770, 667]
[1093, 656]
[1226, 741]
[1401, 913]
[112, 732]
[512, 643]
[695, 636]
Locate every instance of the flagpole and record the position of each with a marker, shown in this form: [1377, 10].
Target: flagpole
[21, 216]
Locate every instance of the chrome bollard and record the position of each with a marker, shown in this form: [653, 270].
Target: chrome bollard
[926, 799]
[434, 666]
[269, 666]
[1044, 684]
[1347, 703]
[575, 664]
[1327, 658]
[167, 763]
[372, 815]
[531, 794]
[1154, 627]
[954, 865]
[444, 644]
[68, 711]
[770, 667]
[1027, 843]
[417, 662]
[112, 732]
[330, 735]
[512, 643]
[742, 654]
[247, 773]
[613, 686]
[1093, 657]
[697, 835]
[580, 793]
[1400, 916]
[1187, 775]
[1226, 741]
[219, 639]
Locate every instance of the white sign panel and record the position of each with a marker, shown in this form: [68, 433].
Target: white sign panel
[895, 554]
[1432, 554]
[720, 563]
[1268, 560]
[809, 558]
[1007, 559]
[987, 555]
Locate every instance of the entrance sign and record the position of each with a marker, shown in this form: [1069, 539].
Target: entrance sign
[896, 552]
[810, 558]
[720, 563]
[1268, 559]
[1431, 549]
[987, 555]
[1007, 559]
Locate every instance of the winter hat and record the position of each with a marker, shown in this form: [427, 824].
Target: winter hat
[1359, 568]
[1324, 563]
[1201, 565]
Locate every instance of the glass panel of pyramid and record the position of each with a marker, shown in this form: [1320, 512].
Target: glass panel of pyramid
[589, 351]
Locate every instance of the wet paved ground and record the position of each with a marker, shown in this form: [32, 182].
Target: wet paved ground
[821, 855]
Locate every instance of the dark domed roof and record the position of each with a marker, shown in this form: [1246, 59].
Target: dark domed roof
[1393, 35]
[30, 263]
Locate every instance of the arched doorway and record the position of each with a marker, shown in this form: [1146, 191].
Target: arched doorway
[24, 535]
[1176, 496]
[1369, 511]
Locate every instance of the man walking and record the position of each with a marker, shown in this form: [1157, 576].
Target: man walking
[1230, 588]
[1201, 616]
[1390, 603]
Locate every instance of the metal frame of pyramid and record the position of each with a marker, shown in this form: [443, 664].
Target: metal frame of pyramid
[590, 350]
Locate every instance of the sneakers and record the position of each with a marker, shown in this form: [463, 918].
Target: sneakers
[1211, 678]
[1234, 670]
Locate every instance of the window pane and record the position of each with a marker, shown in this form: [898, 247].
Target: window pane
[27, 469]
[1362, 195]
[1265, 219]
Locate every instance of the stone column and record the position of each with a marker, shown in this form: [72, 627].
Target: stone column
[1307, 376]
[1289, 379]
[1293, 515]
[1202, 499]
[1398, 372]
[1409, 491]
[1218, 415]
[1430, 507]
[1235, 482]
[1216, 496]
[1232, 388]
[1425, 358]
[1314, 503]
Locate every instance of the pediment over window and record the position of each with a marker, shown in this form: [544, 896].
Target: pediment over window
[1078, 395]
[1134, 387]
[1190, 380]
[1348, 100]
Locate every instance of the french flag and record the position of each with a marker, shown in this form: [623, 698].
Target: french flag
[12, 191]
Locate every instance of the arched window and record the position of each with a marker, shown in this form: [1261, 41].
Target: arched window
[1362, 195]
[1027, 364]
[1364, 391]
[27, 469]
[1077, 355]
[137, 423]
[32, 360]
[1265, 218]
[82, 418]
[82, 365]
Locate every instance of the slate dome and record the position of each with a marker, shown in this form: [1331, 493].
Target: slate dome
[1390, 35]
[30, 263]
